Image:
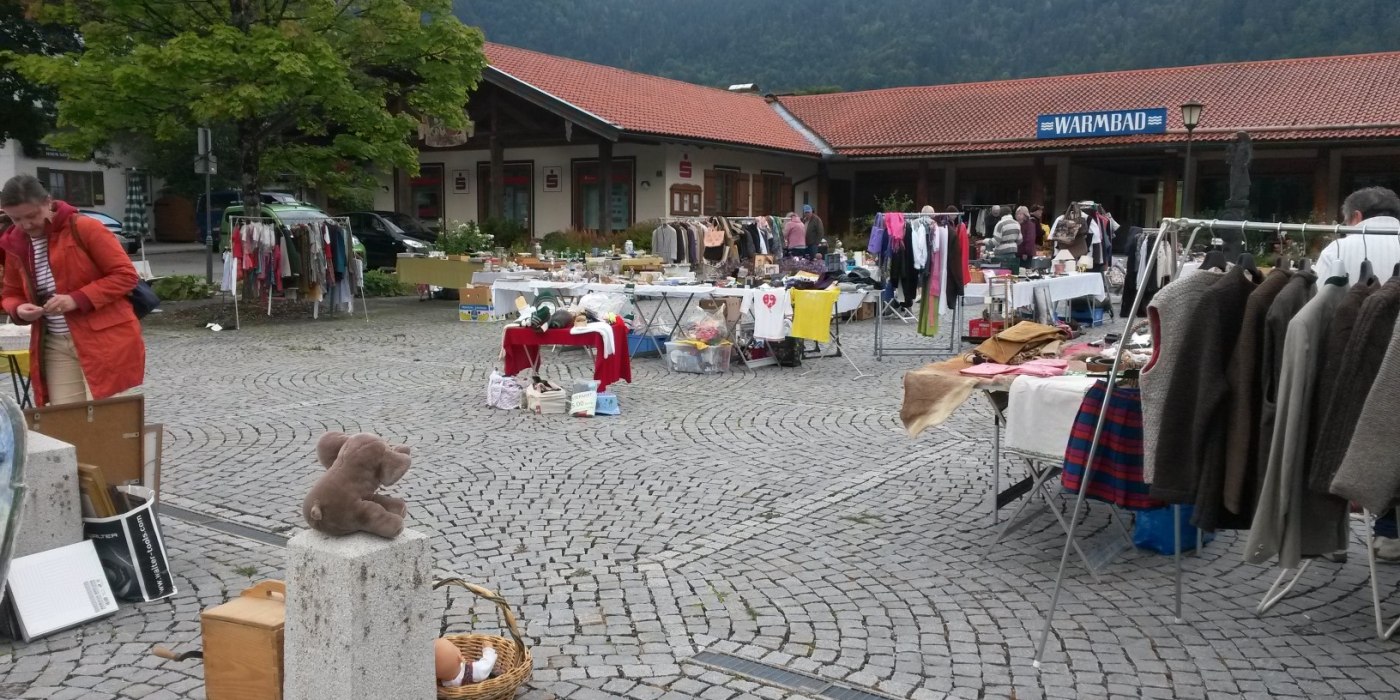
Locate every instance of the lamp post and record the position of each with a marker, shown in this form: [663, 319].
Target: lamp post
[1190, 118]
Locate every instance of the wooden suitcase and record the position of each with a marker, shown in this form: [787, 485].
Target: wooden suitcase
[243, 645]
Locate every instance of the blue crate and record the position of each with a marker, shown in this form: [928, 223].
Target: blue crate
[1092, 316]
[645, 345]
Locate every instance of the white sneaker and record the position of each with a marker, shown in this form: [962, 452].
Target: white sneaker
[1388, 549]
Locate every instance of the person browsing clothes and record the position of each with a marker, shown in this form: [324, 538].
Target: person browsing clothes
[69, 278]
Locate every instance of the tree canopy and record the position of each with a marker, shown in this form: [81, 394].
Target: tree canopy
[311, 89]
[860, 44]
[26, 108]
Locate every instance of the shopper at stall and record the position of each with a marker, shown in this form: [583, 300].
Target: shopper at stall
[1376, 207]
[1008, 242]
[816, 230]
[795, 233]
[1030, 236]
[69, 277]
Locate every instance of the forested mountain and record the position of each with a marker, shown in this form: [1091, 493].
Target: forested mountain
[852, 44]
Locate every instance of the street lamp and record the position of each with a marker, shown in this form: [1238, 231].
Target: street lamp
[1190, 118]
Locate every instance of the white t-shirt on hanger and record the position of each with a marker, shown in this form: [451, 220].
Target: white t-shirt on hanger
[769, 307]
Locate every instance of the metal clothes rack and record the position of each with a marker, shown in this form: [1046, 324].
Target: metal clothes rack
[1169, 230]
[883, 307]
[342, 221]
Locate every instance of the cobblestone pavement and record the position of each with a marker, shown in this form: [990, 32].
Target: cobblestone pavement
[779, 516]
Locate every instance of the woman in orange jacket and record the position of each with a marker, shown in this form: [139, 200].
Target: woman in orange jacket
[69, 277]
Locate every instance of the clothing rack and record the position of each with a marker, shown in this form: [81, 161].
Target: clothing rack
[1170, 229]
[881, 350]
[342, 221]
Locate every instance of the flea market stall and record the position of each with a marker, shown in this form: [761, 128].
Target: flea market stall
[1235, 398]
[712, 294]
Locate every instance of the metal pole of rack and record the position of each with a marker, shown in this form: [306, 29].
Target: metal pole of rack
[1094, 444]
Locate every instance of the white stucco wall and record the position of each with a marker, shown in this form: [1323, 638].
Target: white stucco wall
[658, 166]
[706, 158]
[13, 162]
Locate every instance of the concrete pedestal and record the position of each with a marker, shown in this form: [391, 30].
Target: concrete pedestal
[358, 617]
[53, 513]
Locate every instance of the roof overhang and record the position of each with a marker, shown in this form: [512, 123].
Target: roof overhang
[551, 103]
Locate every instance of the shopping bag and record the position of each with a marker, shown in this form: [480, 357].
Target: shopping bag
[131, 549]
[1153, 530]
[504, 392]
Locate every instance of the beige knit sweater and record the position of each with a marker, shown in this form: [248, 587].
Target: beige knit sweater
[1370, 473]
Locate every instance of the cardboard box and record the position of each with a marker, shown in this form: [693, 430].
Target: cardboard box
[478, 295]
[475, 313]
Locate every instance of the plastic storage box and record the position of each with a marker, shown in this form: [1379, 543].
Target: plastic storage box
[682, 357]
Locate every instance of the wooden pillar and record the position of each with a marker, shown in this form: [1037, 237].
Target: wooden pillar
[1062, 195]
[1320, 180]
[496, 202]
[921, 185]
[1334, 187]
[823, 206]
[1169, 179]
[605, 153]
[950, 185]
[1038, 181]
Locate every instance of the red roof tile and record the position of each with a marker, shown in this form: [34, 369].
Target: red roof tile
[1338, 97]
[651, 105]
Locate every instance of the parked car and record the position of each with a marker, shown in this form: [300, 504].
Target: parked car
[383, 239]
[129, 244]
[410, 225]
[224, 198]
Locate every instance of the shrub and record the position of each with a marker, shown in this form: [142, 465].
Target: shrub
[182, 288]
[505, 233]
[385, 284]
[463, 239]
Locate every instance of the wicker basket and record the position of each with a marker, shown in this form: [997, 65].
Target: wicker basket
[514, 661]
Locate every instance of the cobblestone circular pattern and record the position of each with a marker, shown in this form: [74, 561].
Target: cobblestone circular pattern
[778, 515]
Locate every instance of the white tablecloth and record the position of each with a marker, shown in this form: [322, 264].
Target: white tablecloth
[504, 292]
[1063, 288]
[1041, 413]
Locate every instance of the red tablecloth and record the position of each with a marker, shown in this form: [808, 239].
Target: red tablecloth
[521, 350]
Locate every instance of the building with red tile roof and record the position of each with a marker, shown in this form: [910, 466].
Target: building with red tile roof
[1335, 98]
[549, 129]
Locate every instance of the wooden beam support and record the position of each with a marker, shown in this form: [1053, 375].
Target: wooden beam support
[921, 185]
[496, 203]
[605, 154]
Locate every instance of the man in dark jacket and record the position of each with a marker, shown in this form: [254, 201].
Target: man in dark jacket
[1030, 236]
[816, 231]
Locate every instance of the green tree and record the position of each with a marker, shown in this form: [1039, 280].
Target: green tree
[26, 108]
[320, 90]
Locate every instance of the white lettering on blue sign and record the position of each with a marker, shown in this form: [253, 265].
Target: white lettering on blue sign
[1124, 122]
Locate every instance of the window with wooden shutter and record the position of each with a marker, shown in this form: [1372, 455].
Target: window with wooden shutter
[726, 192]
[772, 194]
[76, 187]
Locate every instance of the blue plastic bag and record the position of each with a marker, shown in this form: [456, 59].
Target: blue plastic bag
[1153, 530]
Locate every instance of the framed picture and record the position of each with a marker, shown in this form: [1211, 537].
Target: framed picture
[461, 181]
[553, 178]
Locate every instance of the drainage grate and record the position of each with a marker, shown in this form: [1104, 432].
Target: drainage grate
[223, 526]
[783, 677]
